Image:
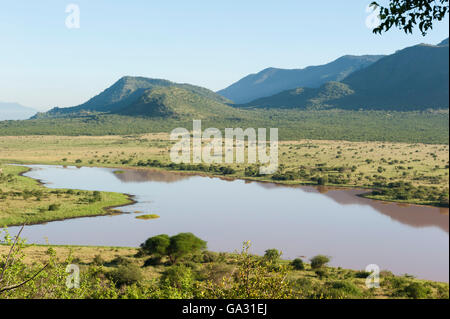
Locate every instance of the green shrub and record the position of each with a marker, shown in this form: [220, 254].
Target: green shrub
[319, 261]
[177, 276]
[120, 261]
[157, 245]
[443, 292]
[126, 275]
[298, 264]
[98, 260]
[362, 274]
[321, 273]
[397, 283]
[252, 171]
[97, 196]
[217, 272]
[348, 288]
[152, 261]
[322, 180]
[415, 290]
[174, 247]
[272, 255]
[208, 257]
[54, 207]
[304, 286]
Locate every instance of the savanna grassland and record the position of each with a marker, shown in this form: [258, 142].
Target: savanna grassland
[427, 126]
[119, 272]
[404, 172]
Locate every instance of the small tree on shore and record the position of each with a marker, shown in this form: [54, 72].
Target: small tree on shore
[157, 246]
[319, 261]
[272, 255]
[298, 264]
[173, 247]
[184, 244]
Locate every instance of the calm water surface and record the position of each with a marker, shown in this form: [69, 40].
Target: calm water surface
[300, 221]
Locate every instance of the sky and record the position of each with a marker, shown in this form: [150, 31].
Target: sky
[47, 59]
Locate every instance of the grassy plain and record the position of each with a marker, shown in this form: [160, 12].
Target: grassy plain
[409, 127]
[24, 200]
[336, 163]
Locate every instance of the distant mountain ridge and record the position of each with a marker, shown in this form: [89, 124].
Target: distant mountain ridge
[15, 111]
[273, 80]
[414, 78]
[443, 43]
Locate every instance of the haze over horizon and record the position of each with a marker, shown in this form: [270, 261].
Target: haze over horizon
[45, 64]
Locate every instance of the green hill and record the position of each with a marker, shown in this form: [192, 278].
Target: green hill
[146, 97]
[176, 102]
[444, 42]
[305, 98]
[415, 78]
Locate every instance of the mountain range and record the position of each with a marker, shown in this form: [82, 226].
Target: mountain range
[15, 111]
[273, 80]
[415, 78]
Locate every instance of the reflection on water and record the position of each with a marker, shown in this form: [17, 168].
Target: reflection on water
[414, 215]
[297, 220]
[140, 176]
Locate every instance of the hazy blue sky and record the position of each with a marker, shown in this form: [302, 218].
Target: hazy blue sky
[209, 43]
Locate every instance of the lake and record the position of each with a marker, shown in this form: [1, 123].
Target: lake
[299, 221]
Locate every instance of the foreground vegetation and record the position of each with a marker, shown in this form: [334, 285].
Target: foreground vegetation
[24, 200]
[403, 172]
[152, 271]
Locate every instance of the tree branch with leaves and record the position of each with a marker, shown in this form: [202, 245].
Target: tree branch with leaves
[407, 14]
[9, 261]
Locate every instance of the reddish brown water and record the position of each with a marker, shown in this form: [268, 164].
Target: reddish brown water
[300, 221]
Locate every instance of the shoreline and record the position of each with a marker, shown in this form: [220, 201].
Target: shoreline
[366, 194]
[111, 210]
[108, 210]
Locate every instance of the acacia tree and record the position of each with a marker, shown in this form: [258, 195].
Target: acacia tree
[183, 244]
[173, 247]
[272, 255]
[157, 246]
[319, 261]
[406, 14]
